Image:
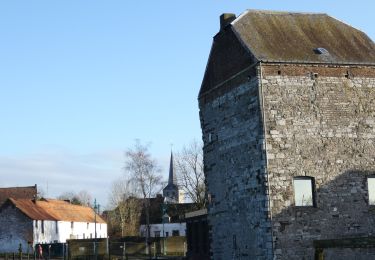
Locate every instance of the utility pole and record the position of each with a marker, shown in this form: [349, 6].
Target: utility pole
[95, 251]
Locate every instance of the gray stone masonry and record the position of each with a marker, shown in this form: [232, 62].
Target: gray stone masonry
[322, 127]
[15, 228]
[287, 121]
[235, 174]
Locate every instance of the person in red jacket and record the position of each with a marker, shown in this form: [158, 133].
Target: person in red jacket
[40, 251]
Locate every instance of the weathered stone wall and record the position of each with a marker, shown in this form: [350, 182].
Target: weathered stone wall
[350, 253]
[15, 229]
[235, 171]
[320, 122]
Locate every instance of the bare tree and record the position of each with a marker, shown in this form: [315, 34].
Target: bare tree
[145, 174]
[189, 166]
[126, 208]
[83, 197]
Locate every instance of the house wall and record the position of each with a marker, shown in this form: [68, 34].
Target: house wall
[80, 230]
[15, 229]
[234, 159]
[65, 231]
[168, 227]
[321, 126]
[47, 234]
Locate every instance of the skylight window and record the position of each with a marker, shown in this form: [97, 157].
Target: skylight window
[321, 50]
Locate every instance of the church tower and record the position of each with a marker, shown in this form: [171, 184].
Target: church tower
[170, 192]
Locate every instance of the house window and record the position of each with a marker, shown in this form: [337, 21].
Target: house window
[175, 233]
[57, 227]
[166, 234]
[36, 223]
[371, 190]
[303, 191]
[42, 226]
[88, 224]
[72, 225]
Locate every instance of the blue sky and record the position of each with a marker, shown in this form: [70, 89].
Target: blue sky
[80, 80]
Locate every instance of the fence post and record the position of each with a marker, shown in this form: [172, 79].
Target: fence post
[107, 247]
[123, 251]
[155, 250]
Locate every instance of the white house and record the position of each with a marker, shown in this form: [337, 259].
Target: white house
[29, 222]
[164, 230]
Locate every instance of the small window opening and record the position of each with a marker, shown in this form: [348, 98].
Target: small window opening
[304, 191]
[36, 223]
[56, 227]
[371, 190]
[175, 233]
[279, 72]
[72, 224]
[42, 226]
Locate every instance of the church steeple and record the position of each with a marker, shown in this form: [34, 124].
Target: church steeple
[170, 192]
[172, 176]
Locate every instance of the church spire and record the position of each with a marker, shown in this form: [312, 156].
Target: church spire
[172, 176]
[170, 192]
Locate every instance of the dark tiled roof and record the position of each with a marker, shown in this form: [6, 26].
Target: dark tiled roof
[18, 193]
[292, 37]
[50, 209]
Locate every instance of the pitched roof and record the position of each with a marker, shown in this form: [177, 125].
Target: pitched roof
[29, 192]
[49, 209]
[294, 37]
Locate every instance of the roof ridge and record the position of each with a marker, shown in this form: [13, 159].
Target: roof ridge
[273, 12]
[283, 12]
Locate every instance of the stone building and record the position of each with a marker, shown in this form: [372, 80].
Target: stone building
[287, 110]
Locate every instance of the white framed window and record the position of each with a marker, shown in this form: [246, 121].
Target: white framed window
[371, 190]
[304, 189]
